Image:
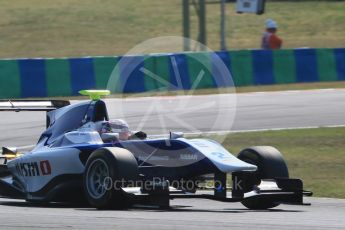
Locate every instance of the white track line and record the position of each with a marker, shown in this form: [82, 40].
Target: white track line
[260, 130]
[167, 97]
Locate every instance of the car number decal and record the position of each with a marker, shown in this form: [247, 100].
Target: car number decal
[29, 169]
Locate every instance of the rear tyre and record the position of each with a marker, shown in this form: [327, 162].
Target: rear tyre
[106, 171]
[270, 165]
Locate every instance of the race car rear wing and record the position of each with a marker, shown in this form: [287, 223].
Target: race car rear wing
[32, 105]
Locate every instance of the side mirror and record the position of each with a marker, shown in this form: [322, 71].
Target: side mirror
[9, 150]
[109, 137]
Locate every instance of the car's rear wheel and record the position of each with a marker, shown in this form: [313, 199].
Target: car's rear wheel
[270, 165]
[106, 171]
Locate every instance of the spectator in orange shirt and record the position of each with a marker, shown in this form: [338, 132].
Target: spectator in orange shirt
[269, 38]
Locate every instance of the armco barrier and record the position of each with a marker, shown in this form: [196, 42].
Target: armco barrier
[66, 76]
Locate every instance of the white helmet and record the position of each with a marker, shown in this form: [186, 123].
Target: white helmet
[121, 127]
[118, 126]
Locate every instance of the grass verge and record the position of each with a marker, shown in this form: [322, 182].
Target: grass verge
[316, 156]
[41, 28]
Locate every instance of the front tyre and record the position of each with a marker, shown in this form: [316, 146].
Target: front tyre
[270, 165]
[107, 169]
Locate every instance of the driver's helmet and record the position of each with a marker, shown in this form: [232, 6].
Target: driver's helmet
[119, 125]
[116, 126]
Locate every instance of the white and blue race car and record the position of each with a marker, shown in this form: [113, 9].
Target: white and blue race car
[74, 162]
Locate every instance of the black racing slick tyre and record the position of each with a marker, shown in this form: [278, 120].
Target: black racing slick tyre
[106, 171]
[270, 165]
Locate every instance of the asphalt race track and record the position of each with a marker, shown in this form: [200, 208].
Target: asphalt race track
[184, 214]
[269, 110]
[266, 110]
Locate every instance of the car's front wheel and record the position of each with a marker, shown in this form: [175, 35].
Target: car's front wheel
[270, 165]
[107, 169]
